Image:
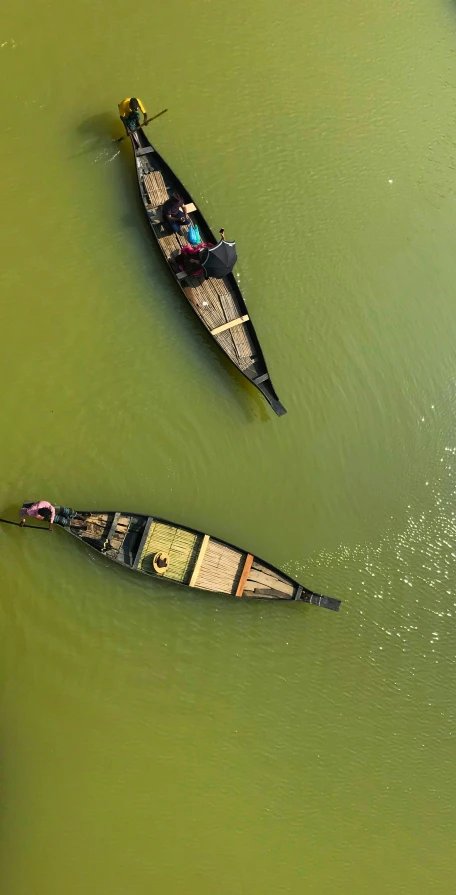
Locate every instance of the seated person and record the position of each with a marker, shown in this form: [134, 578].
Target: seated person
[190, 260]
[174, 213]
[129, 111]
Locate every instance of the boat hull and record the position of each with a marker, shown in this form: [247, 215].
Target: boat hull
[196, 559]
[218, 303]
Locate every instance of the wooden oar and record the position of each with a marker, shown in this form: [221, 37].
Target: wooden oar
[143, 125]
[35, 527]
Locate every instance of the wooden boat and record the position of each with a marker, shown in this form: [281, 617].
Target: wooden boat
[195, 559]
[217, 302]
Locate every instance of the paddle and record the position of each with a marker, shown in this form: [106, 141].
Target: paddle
[35, 527]
[142, 125]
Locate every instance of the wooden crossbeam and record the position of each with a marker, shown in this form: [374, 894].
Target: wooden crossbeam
[142, 542]
[113, 526]
[261, 378]
[229, 325]
[199, 561]
[245, 574]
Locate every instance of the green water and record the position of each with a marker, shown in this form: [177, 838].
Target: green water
[158, 740]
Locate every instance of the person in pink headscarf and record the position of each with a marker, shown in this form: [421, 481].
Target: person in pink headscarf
[189, 259]
[46, 512]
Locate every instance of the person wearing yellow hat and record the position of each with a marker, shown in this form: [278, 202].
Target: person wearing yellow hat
[129, 111]
[160, 563]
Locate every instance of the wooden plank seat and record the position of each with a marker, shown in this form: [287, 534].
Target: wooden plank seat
[119, 530]
[245, 574]
[143, 542]
[199, 561]
[229, 325]
[113, 527]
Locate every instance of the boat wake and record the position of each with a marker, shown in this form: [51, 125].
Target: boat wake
[106, 156]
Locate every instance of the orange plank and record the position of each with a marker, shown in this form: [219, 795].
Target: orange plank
[245, 575]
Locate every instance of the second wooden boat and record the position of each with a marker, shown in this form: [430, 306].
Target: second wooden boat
[218, 303]
[190, 557]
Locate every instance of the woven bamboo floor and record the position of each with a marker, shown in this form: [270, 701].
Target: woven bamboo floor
[181, 546]
[221, 568]
[213, 300]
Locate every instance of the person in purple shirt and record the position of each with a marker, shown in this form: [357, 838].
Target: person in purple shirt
[174, 213]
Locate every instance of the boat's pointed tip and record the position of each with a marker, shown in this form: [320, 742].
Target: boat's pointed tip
[278, 408]
[308, 596]
[328, 603]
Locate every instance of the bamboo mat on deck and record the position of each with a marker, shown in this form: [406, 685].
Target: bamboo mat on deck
[221, 568]
[156, 189]
[179, 544]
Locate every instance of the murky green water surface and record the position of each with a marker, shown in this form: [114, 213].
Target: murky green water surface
[157, 740]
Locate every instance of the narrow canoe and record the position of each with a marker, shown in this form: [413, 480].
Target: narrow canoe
[217, 302]
[195, 558]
